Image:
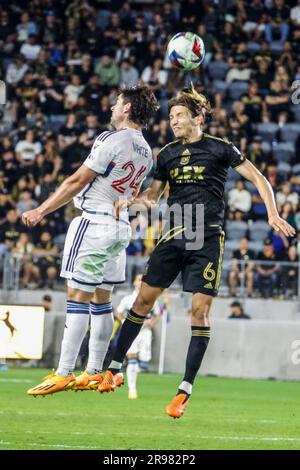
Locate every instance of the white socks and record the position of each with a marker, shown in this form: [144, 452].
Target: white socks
[186, 387]
[102, 324]
[132, 371]
[76, 327]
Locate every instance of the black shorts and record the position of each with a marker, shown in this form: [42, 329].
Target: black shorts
[200, 269]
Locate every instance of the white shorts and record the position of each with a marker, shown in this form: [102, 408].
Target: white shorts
[94, 253]
[141, 346]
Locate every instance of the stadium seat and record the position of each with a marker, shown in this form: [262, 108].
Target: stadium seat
[233, 175]
[259, 230]
[296, 169]
[290, 132]
[220, 87]
[253, 47]
[283, 152]
[266, 146]
[284, 169]
[103, 18]
[276, 46]
[267, 130]
[217, 70]
[229, 185]
[237, 89]
[295, 109]
[256, 246]
[59, 240]
[250, 187]
[236, 229]
[230, 247]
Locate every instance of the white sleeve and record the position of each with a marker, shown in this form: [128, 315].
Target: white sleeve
[101, 154]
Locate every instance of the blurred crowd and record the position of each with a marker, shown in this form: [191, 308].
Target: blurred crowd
[63, 63]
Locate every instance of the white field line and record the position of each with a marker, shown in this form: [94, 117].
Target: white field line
[16, 380]
[197, 436]
[34, 444]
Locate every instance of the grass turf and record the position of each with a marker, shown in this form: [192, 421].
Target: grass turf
[223, 414]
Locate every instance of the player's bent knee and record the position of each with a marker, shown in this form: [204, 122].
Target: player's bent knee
[143, 305]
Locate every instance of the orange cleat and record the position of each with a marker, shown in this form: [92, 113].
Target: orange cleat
[86, 381]
[177, 406]
[53, 383]
[111, 382]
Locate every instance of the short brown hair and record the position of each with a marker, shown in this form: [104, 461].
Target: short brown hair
[143, 104]
[191, 99]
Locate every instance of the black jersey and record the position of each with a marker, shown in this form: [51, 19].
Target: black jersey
[197, 174]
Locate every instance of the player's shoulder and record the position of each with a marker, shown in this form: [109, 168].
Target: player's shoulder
[216, 140]
[169, 147]
[109, 135]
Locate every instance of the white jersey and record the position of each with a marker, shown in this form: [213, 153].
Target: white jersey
[122, 159]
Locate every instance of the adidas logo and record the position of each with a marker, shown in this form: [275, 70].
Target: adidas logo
[208, 285]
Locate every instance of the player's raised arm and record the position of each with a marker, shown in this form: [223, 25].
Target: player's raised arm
[251, 173]
[66, 191]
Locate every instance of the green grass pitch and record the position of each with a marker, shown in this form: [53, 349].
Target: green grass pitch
[222, 414]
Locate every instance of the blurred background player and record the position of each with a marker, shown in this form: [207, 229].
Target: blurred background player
[195, 166]
[94, 254]
[140, 352]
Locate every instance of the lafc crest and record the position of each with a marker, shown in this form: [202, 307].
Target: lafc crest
[185, 157]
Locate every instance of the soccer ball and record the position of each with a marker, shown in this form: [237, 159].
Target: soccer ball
[186, 51]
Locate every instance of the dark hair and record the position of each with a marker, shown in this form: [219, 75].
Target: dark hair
[191, 99]
[143, 104]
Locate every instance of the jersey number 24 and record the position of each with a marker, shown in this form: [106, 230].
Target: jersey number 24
[132, 176]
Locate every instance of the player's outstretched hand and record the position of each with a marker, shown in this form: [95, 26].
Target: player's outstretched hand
[280, 224]
[31, 218]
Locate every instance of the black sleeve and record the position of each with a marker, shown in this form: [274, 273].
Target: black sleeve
[160, 172]
[234, 156]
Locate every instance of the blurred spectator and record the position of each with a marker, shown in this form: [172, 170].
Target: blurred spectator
[30, 274]
[69, 132]
[47, 263]
[289, 274]
[25, 28]
[238, 270]
[253, 103]
[267, 274]
[278, 22]
[287, 195]
[26, 202]
[16, 70]
[30, 49]
[237, 311]
[239, 198]
[295, 15]
[277, 99]
[47, 303]
[239, 63]
[72, 92]
[155, 76]
[257, 155]
[108, 71]
[12, 228]
[93, 92]
[129, 74]
[28, 149]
